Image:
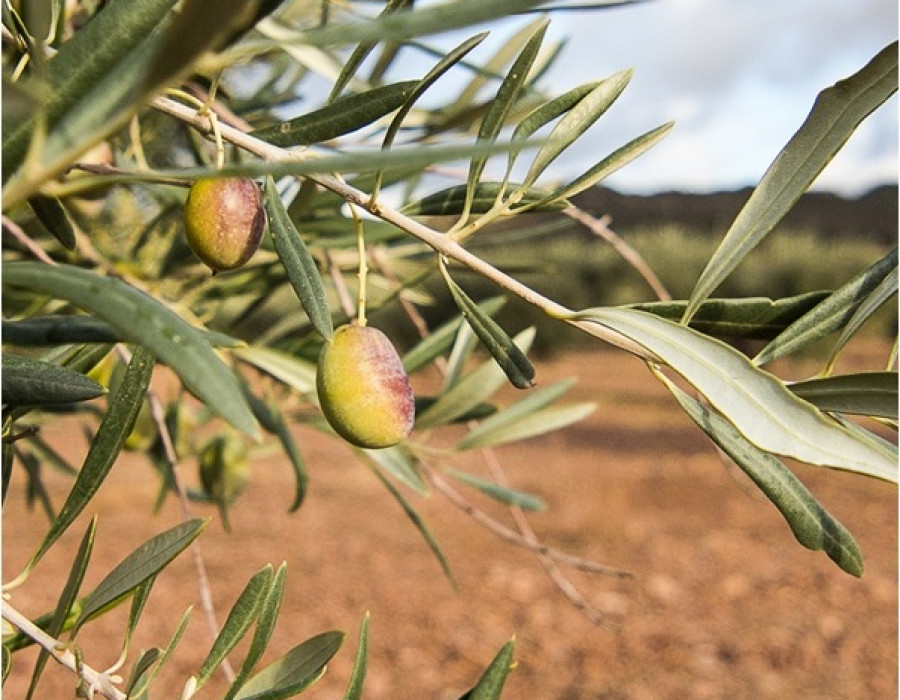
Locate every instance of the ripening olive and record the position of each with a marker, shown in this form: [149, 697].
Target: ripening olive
[224, 221]
[363, 388]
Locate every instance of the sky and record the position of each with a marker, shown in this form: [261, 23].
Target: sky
[737, 76]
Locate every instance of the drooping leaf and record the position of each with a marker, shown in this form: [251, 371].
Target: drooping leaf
[837, 112]
[400, 462]
[240, 618]
[811, 524]
[507, 354]
[299, 264]
[141, 319]
[513, 497]
[105, 447]
[144, 562]
[295, 671]
[759, 405]
[469, 391]
[860, 393]
[52, 214]
[358, 675]
[831, 313]
[757, 318]
[28, 381]
[341, 117]
[490, 685]
[265, 624]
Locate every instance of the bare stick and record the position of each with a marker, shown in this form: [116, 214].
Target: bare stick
[19, 234]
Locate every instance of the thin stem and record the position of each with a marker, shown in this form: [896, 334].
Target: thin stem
[95, 680]
[19, 234]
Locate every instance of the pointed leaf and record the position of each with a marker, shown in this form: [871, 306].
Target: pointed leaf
[520, 499]
[867, 307]
[141, 670]
[52, 214]
[28, 381]
[861, 393]
[293, 371]
[490, 685]
[522, 427]
[139, 690]
[452, 201]
[358, 675]
[341, 117]
[507, 354]
[144, 562]
[105, 447]
[265, 624]
[837, 112]
[399, 462]
[241, 617]
[141, 319]
[831, 313]
[811, 524]
[299, 264]
[758, 404]
[298, 669]
[469, 391]
[578, 120]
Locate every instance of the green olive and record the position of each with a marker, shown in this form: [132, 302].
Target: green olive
[363, 388]
[224, 469]
[224, 221]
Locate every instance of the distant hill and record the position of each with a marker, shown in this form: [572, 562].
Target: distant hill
[873, 216]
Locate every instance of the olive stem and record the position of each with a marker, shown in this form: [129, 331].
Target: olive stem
[363, 267]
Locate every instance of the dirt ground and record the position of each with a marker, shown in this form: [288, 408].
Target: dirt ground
[723, 602]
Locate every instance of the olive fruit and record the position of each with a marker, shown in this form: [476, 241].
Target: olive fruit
[224, 221]
[363, 388]
[224, 470]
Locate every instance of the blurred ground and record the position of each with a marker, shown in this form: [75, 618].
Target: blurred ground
[723, 604]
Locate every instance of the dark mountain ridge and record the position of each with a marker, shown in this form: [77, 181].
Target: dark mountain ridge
[872, 216]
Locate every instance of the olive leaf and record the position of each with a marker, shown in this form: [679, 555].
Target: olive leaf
[28, 381]
[490, 685]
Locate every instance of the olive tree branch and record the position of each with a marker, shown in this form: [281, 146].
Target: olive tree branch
[436, 240]
[96, 681]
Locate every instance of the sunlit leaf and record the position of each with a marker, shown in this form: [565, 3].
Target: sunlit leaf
[837, 112]
[298, 669]
[759, 405]
[811, 524]
[490, 685]
[105, 447]
[452, 201]
[399, 462]
[141, 319]
[513, 497]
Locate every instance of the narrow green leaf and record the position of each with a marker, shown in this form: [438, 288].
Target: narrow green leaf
[867, 307]
[265, 624]
[67, 599]
[490, 685]
[138, 602]
[500, 429]
[417, 520]
[831, 313]
[144, 562]
[27, 381]
[502, 104]
[358, 675]
[295, 671]
[272, 421]
[544, 114]
[341, 117]
[141, 319]
[293, 371]
[399, 462]
[139, 690]
[837, 112]
[525, 501]
[811, 524]
[758, 318]
[467, 393]
[301, 268]
[141, 669]
[241, 617]
[615, 160]
[441, 338]
[52, 214]
[105, 447]
[860, 393]
[578, 120]
[54, 330]
[507, 354]
[452, 201]
[759, 405]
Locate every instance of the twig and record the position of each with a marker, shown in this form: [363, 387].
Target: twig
[97, 681]
[19, 234]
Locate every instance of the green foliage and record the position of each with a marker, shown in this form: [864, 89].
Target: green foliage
[112, 109]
